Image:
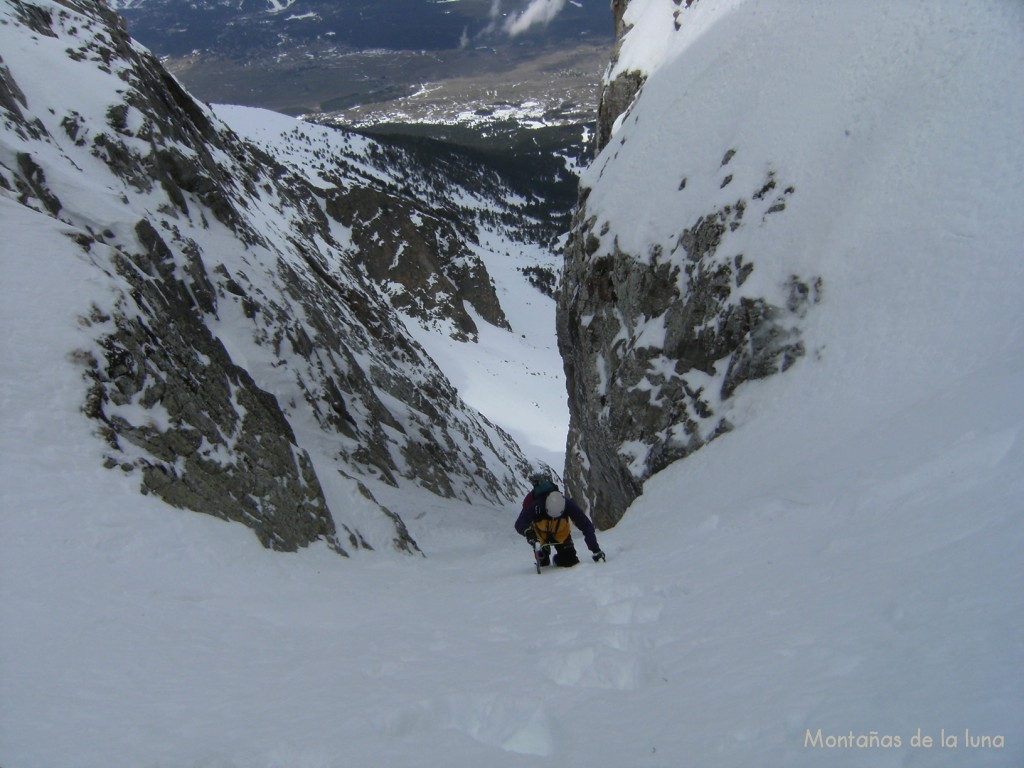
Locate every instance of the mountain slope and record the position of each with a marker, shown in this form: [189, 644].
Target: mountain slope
[241, 352]
[792, 199]
[831, 583]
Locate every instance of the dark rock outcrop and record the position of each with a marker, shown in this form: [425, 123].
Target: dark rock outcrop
[422, 255]
[616, 94]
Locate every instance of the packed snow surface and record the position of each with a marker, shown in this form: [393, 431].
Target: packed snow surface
[831, 585]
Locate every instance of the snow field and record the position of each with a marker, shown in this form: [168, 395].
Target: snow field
[514, 377]
[848, 562]
[860, 586]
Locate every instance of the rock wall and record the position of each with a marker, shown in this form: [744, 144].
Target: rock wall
[655, 342]
[420, 253]
[616, 94]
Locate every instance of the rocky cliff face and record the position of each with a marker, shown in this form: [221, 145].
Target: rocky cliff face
[420, 258]
[658, 335]
[616, 92]
[247, 352]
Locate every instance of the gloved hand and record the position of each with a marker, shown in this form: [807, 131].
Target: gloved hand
[530, 536]
[599, 557]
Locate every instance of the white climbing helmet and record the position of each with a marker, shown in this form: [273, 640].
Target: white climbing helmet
[554, 504]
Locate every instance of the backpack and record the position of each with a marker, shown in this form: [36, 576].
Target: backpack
[550, 530]
[535, 498]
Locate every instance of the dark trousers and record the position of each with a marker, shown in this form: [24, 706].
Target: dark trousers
[565, 554]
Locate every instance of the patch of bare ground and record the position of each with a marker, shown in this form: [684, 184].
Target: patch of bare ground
[367, 87]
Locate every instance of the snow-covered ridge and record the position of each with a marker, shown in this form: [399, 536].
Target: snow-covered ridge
[242, 357]
[866, 152]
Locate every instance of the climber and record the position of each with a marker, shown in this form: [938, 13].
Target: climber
[544, 521]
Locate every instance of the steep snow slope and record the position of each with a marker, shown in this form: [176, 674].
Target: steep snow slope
[794, 184]
[864, 582]
[838, 576]
[247, 358]
[517, 365]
